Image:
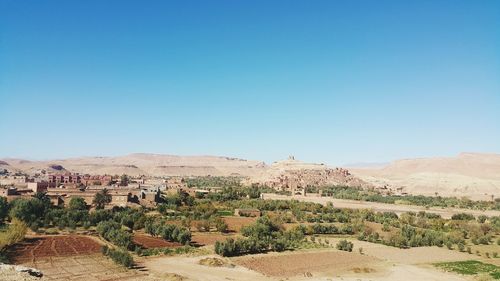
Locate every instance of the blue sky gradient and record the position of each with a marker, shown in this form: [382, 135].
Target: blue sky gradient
[328, 81]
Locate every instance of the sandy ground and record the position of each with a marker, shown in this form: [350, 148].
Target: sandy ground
[401, 272]
[189, 268]
[297, 266]
[380, 207]
[209, 238]
[412, 256]
[85, 267]
[317, 262]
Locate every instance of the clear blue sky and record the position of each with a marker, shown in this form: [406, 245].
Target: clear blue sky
[328, 81]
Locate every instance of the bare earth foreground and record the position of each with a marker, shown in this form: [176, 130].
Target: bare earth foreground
[303, 265]
[76, 257]
[70, 257]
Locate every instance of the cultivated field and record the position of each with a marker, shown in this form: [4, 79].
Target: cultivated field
[93, 267]
[308, 263]
[69, 257]
[236, 223]
[35, 248]
[147, 242]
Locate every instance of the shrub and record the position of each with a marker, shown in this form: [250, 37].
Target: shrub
[113, 232]
[221, 225]
[121, 257]
[344, 245]
[386, 227]
[14, 233]
[203, 226]
[168, 232]
[462, 216]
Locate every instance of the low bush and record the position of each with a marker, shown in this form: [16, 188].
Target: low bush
[121, 257]
[344, 245]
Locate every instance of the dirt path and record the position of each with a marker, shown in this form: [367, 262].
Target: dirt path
[189, 268]
[380, 207]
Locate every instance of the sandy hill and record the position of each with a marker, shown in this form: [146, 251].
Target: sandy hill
[144, 164]
[475, 175]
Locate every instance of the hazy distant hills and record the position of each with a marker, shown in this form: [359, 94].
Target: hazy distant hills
[143, 164]
[469, 174]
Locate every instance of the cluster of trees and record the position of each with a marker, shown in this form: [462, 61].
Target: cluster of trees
[234, 193]
[121, 257]
[210, 181]
[170, 232]
[206, 225]
[318, 228]
[355, 193]
[410, 236]
[265, 234]
[38, 212]
[29, 210]
[113, 232]
[174, 201]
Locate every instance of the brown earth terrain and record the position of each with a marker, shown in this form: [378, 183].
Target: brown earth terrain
[307, 263]
[236, 223]
[148, 242]
[208, 238]
[69, 257]
[142, 164]
[317, 264]
[34, 248]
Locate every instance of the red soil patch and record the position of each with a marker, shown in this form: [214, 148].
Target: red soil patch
[236, 223]
[53, 246]
[148, 242]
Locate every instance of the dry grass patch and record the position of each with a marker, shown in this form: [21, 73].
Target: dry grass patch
[363, 270]
[214, 262]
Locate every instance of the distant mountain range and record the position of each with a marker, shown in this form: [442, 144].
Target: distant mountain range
[142, 164]
[476, 175]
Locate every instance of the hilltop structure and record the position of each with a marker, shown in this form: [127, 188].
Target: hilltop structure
[295, 176]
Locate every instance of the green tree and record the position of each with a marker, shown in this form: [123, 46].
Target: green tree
[4, 208]
[27, 210]
[77, 203]
[221, 225]
[124, 180]
[101, 198]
